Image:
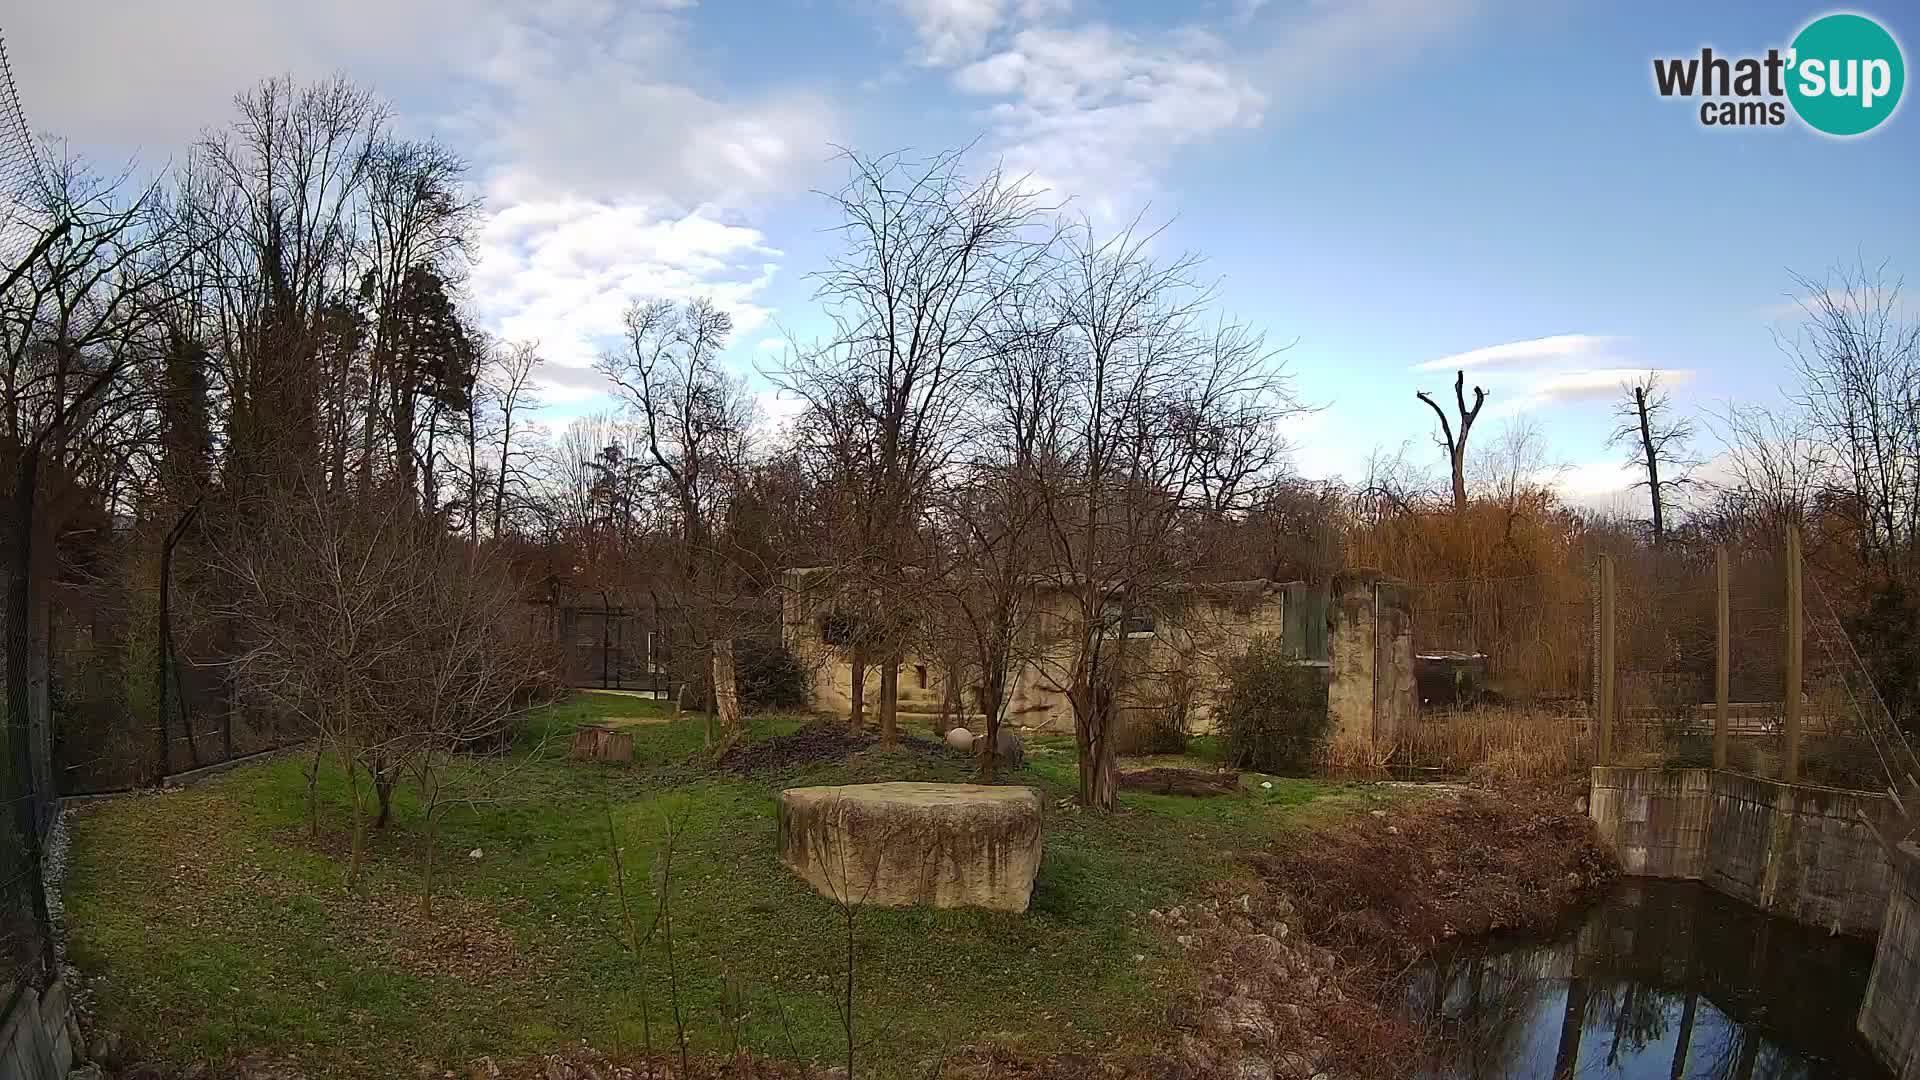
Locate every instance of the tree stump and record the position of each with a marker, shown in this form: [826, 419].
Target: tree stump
[893, 845]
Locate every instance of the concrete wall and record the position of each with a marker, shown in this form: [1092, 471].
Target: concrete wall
[1655, 820]
[1797, 851]
[1890, 1013]
[36, 1038]
[1370, 692]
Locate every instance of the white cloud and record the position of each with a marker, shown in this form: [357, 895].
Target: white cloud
[1095, 111]
[1533, 352]
[1598, 384]
[951, 31]
[562, 272]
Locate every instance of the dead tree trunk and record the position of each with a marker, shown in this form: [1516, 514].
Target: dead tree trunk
[1457, 446]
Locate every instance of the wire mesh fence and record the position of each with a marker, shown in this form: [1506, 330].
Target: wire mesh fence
[1512, 674]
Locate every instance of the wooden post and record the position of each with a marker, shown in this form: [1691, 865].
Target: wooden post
[1604, 755]
[1723, 660]
[1792, 688]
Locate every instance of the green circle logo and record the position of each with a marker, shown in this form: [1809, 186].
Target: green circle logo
[1845, 75]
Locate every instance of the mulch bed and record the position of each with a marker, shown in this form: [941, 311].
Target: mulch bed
[825, 741]
[1171, 781]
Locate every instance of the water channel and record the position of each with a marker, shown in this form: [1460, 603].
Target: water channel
[1657, 979]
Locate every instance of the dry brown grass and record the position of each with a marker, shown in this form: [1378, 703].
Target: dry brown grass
[1497, 745]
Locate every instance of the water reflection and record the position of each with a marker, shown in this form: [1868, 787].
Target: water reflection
[1660, 979]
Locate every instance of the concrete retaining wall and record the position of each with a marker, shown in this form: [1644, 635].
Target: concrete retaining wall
[36, 1038]
[1655, 820]
[1799, 851]
[1796, 851]
[1793, 850]
[1890, 1013]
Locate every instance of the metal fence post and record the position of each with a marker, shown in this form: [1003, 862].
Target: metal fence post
[1604, 755]
[1723, 658]
[1794, 643]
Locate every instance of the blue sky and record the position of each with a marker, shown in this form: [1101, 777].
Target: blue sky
[1390, 182]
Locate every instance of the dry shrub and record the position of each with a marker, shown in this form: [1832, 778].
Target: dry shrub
[1500, 743]
[1356, 757]
[1456, 864]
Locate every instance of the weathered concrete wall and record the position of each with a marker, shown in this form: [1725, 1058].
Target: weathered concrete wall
[1370, 692]
[36, 1038]
[1799, 851]
[1655, 820]
[1890, 1012]
[1794, 850]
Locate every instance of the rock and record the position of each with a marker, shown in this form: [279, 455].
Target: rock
[1266, 784]
[558, 1069]
[960, 739]
[105, 1049]
[1185, 940]
[891, 845]
[1252, 1068]
[475, 853]
[484, 1069]
[1241, 1017]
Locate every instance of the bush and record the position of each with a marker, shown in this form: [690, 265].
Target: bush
[1274, 713]
[1151, 731]
[770, 676]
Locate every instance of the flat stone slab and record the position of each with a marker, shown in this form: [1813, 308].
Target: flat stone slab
[894, 845]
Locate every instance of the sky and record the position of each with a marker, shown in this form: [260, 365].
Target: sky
[1392, 188]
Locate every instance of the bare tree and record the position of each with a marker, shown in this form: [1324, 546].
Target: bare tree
[386, 636]
[931, 257]
[1456, 445]
[1165, 422]
[695, 420]
[78, 323]
[1858, 359]
[1659, 445]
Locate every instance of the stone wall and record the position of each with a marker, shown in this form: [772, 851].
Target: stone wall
[1888, 1014]
[1797, 851]
[1655, 820]
[36, 1038]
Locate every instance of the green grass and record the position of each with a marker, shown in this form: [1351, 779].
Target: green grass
[214, 925]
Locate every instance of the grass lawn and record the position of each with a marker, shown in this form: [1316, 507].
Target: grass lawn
[210, 924]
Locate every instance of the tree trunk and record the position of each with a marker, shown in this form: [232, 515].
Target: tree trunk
[383, 791]
[1458, 460]
[889, 701]
[857, 691]
[724, 691]
[991, 692]
[357, 808]
[1653, 465]
[1094, 707]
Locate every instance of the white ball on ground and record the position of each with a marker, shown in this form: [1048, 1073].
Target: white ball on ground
[960, 739]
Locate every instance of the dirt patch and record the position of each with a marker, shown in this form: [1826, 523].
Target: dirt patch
[817, 743]
[1394, 883]
[1170, 781]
